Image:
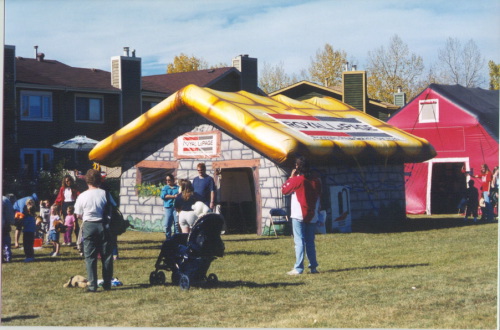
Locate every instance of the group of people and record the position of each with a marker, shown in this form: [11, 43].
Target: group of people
[488, 200]
[97, 241]
[22, 213]
[304, 188]
[178, 200]
[93, 238]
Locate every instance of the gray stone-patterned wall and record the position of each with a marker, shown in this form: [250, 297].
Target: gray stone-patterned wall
[373, 188]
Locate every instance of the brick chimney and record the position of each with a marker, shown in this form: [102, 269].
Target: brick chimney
[249, 74]
[126, 75]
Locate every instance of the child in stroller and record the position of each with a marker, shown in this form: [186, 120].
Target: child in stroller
[189, 256]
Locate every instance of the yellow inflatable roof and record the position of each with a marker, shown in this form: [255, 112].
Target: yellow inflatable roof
[325, 130]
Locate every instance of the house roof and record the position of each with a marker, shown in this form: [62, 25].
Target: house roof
[332, 90]
[480, 103]
[54, 74]
[325, 130]
[172, 82]
[59, 75]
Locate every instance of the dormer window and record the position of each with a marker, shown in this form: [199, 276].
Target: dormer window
[36, 106]
[428, 111]
[89, 109]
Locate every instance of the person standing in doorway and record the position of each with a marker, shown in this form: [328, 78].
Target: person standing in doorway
[204, 186]
[97, 238]
[472, 201]
[305, 194]
[168, 193]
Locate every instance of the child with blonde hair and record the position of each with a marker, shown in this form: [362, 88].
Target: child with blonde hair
[53, 234]
[69, 222]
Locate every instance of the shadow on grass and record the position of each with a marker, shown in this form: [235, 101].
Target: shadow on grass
[227, 238]
[140, 242]
[250, 253]
[19, 317]
[247, 284]
[218, 285]
[121, 248]
[416, 223]
[376, 267]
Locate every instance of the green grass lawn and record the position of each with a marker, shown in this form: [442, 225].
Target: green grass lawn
[418, 278]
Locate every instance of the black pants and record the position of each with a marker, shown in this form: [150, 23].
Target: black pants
[28, 241]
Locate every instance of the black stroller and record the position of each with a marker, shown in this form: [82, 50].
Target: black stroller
[189, 256]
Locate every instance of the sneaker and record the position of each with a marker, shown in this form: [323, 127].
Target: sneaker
[314, 271]
[29, 259]
[293, 272]
[54, 254]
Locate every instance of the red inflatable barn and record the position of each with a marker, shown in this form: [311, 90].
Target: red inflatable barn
[462, 124]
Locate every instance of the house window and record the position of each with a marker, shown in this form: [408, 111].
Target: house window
[146, 105]
[428, 111]
[36, 106]
[35, 160]
[89, 109]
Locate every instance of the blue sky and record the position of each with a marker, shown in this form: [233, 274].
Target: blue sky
[87, 33]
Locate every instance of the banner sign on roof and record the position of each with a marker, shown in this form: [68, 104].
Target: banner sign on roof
[331, 128]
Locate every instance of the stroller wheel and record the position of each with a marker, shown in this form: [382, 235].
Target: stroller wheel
[160, 278]
[212, 278]
[184, 282]
[152, 278]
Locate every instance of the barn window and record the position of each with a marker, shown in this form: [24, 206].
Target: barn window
[428, 111]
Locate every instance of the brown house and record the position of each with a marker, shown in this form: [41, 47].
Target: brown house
[353, 92]
[46, 102]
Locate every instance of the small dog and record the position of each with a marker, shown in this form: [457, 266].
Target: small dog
[76, 281]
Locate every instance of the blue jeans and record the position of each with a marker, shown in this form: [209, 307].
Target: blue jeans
[170, 219]
[303, 237]
[488, 209]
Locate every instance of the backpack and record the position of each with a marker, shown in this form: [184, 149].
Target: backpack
[114, 218]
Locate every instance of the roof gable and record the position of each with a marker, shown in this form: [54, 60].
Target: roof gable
[331, 91]
[323, 129]
[480, 103]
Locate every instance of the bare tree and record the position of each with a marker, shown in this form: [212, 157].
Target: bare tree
[273, 78]
[460, 64]
[391, 68]
[326, 68]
